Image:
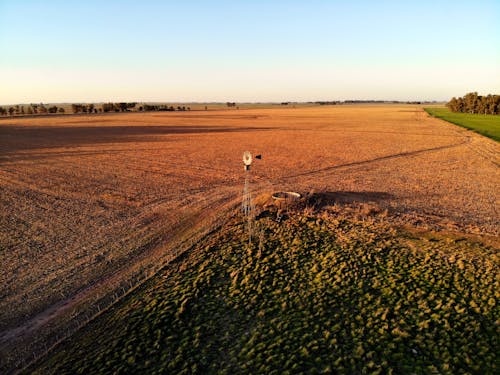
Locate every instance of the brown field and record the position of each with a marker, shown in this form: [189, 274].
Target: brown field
[88, 202]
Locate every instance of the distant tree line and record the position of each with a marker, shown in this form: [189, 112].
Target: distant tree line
[474, 103]
[124, 107]
[162, 107]
[334, 102]
[356, 101]
[106, 107]
[83, 108]
[118, 107]
[32, 109]
[88, 108]
[362, 101]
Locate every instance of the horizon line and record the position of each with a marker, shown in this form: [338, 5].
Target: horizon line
[228, 101]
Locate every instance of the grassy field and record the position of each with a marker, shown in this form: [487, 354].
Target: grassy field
[314, 294]
[487, 125]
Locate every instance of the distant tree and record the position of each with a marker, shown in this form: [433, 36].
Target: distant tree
[30, 110]
[11, 110]
[42, 109]
[3, 111]
[486, 105]
[52, 109]
[474, 103]
[453, 105]
[61, 110]
[107, 107]
[460, 104]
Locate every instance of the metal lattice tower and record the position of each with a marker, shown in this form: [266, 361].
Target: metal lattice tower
[248, 207]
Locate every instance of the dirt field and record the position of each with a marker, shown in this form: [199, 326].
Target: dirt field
[85, 199]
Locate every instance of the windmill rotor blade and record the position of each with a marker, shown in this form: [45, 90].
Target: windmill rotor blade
[247, 158]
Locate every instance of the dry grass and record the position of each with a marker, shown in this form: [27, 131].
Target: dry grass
[84, 197]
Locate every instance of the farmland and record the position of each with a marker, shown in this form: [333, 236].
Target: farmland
[487, 125]
[92, 205]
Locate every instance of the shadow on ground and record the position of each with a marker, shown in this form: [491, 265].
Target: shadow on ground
[331, 198]
[18, 138]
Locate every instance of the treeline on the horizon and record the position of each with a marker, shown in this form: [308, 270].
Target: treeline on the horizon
[474, 103]
[357, 101]
[41, 109]
[385, 102]
[124, 107]
[106, 107]
[30, 109]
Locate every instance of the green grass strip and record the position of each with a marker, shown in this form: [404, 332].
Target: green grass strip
[487, 125]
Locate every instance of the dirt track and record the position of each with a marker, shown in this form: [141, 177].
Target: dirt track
[84, 197]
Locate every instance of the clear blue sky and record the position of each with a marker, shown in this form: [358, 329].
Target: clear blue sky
[67, 51]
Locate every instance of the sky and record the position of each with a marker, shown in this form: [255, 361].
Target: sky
[247, 51]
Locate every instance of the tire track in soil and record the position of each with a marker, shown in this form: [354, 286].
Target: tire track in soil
[203, 219]
[320, 171]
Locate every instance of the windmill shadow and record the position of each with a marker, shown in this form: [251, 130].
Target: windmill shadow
[332, 198]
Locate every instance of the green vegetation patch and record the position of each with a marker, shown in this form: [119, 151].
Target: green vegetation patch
[487, 125]
[313, 295]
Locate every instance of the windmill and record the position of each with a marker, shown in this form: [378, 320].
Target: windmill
[248, 207]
